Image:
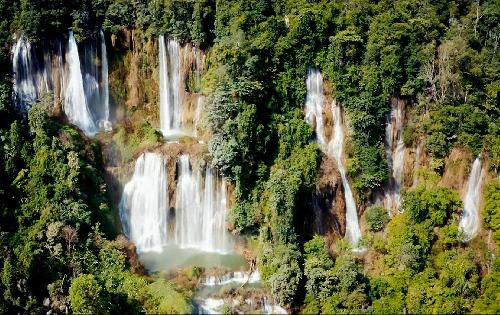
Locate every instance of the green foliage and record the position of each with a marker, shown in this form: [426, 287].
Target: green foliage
[433, 204]
[280, 267]
[86, 295]
[167, 300]
[376, 218]
[491, 211]
[128, 143]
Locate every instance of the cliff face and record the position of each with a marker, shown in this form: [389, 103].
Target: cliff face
[135, 93]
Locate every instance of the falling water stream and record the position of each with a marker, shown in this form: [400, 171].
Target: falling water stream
[336, 149]
[179, 109]
[144, 204]
[314, 108]
[75, 101]
[469, 221]
[315, 103]
[75, 80]
[395, 153]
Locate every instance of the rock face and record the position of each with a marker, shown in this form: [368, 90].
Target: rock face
[328, 203]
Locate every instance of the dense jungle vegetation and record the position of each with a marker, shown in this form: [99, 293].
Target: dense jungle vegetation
[58, 236]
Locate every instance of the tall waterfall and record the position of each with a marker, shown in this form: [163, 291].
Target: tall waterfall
[180, 67]
[336, 149]
[201, 206]
[75, 101]
[144, 204]
[104, 122]
[29, 74]
[395, 153]
[315, 104]
[78, 81]
[469, 221]
[170, 86]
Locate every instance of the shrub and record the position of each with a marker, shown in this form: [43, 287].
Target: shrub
[376, 218]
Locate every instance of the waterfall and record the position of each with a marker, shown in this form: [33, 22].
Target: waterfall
[75, 102]
[469, 221]
[30, 79]
[81, 84]
[201, 208]
[144, 204]
[395, 153]
[336, 149]
[315, 104]
[170, 87]
[104, 122]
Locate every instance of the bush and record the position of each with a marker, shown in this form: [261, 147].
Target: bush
[87, 296]
[376, 218]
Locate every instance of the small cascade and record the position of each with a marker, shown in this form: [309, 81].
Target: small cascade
[201, 207]
[315, 104]
[144, 204]
[78, 81]
[240, 277]
[395, 153]
[336, 150]
[469, 221]
[177, 115]
[75, 101]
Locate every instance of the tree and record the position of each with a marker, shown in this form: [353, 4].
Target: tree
[87, 295]
[376, 218]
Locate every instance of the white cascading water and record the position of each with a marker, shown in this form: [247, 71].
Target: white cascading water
[395, 153]
[201, 207]
[315, 104]
[336, 150]
[179, 108]
[170, 87]
[38, 71]
[104, 123]
[144, 204]
[29, 76]
[75, 102]
[469, 220]
[240, 277]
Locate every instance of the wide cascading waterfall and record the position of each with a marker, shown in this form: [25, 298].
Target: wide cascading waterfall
[469, 220]
[201, 207]
[336, 149]
[395, 153]
[170, 87]
[144, 204]
[315, 104]
[75, 102]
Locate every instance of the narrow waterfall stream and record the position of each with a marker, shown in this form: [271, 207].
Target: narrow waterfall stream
[469, 220]
[104, 122]
[179, 113]
[79, 81]
[314, 111]
[75, 101]
[336, 149]
[395, 153]
[144, 204]
[170, 86]
[315, 104]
